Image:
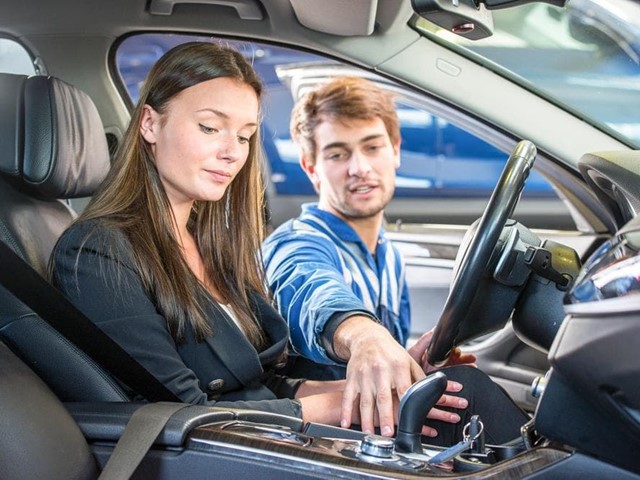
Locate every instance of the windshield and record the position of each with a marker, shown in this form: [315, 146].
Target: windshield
[585, 57]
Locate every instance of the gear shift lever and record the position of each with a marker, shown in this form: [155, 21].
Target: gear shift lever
[414, 406]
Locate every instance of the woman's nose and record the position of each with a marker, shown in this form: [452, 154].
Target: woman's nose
[230, 148]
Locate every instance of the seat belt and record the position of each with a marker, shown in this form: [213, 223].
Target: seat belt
[26, 284]
[141, 431]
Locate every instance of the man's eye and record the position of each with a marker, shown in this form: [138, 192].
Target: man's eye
[336, 156]
[206, 129]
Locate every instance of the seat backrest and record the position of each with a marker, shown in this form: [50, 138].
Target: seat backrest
[52, 148]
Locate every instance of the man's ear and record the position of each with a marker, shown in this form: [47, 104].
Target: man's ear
[307, 166]
[148, 124]
[310, 170]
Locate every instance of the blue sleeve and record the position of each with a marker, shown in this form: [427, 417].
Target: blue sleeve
[405, 312]
[304, 272]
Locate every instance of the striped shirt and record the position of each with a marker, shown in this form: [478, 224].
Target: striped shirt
[317, 266]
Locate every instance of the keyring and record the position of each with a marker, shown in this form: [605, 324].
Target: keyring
[465, 431]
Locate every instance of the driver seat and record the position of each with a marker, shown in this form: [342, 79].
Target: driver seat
[53, 149]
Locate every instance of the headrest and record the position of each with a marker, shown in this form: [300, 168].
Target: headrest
[51, 136]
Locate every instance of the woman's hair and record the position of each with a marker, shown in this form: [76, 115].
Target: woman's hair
[344, 99]
[228, 232]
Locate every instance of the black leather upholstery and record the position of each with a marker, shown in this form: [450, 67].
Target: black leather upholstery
[52, 148]
[38, 438]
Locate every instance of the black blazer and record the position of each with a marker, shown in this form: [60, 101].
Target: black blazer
[93, 267]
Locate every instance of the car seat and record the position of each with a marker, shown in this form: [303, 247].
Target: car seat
[53, 148]
[38, 438]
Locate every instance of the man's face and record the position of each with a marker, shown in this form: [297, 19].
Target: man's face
[354, 169]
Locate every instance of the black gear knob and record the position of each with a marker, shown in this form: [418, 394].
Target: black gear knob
[421, 397]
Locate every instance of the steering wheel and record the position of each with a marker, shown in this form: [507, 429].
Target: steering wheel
[474, 259]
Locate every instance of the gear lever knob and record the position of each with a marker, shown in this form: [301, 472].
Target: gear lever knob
[421, 397]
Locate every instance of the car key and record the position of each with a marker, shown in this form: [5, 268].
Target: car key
[460, 447]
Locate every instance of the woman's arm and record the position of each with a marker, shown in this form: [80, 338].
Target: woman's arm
[314, 387]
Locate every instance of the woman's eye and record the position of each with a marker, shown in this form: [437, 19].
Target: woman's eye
[243, 139]
[206, 129]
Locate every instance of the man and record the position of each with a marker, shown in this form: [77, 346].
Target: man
[336, 278]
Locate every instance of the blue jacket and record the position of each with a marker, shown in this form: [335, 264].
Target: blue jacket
[318, 267]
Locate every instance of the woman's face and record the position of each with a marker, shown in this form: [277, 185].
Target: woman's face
[201, 141]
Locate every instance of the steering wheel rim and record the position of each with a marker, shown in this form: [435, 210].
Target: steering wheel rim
[473, 264]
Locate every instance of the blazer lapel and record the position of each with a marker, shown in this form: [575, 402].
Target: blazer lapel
[233, 348]
[235, 351]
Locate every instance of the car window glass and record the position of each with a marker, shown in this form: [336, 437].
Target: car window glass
[440, 159]
[14, 58]
[585, 56]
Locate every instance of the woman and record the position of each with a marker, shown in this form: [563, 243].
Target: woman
[163, 258]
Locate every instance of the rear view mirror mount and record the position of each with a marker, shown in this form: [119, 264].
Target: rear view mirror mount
[471, 19]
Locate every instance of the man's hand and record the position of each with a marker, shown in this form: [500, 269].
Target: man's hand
[379, 370]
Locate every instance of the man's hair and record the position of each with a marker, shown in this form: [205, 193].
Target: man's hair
[345, 99]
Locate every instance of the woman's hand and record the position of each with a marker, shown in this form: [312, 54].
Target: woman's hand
[419, 353]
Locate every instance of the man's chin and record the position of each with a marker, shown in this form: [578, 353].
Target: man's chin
[362, 212]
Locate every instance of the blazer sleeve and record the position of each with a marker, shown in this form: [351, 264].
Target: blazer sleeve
[97, 275]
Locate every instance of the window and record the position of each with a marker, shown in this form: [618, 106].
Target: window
[585, 55]
[14, 58]
[440, 159]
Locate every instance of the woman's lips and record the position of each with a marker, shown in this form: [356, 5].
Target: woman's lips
[219, 175]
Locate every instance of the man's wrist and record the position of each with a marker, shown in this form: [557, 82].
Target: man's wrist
[328, 337]
[356, 329]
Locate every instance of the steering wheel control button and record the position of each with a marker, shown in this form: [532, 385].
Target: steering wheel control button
[377, 446]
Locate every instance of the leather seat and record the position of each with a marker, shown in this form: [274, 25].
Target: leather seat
[38, 438]
[52, 148]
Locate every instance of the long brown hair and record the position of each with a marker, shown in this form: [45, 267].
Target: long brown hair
[228, 232]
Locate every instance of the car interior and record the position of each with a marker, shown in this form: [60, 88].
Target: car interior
[74, 404]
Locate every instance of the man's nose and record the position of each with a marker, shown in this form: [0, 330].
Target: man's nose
[359, 166]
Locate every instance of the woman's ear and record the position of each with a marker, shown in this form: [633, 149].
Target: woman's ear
[148, 122]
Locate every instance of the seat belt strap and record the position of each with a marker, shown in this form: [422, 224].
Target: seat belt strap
[26, 284]
[141, 431]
